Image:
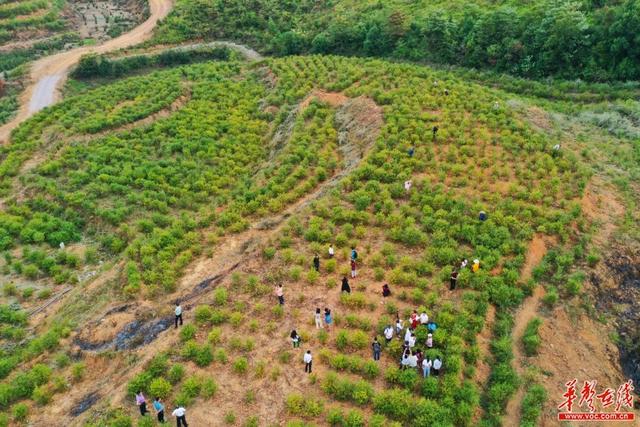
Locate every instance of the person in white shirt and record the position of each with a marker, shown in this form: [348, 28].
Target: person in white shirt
[463, 264]
[413, 361]
[412, 341]
[405, 361]
[331, 252]
[407, 335]
[388, 333]
[430, 340]
[424, 319]
[426, 367]
[407, 186]
[179, 413]
[437, 365]
[308, 360]
[318, 319]
[399, 326]
[178, 312]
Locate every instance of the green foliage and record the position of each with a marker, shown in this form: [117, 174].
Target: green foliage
[188, 332]
[531, 338]
[532, 405]
[305, 407]
[160, 387]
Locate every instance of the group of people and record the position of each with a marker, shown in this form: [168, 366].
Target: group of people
[179, 412]
[463, 264]
[412, 356]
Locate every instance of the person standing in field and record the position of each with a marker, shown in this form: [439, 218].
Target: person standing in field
[354, 253]
[386, 292]
[159, 407]
[407, 186]
[316, 263]
[414, 319]
[476, 265]
[327, 317]
[426, 367]
[429, 340]
[399, 325]
[318, 319]
[179, 413]
[377, 348]
[435, 132]
[437, 365]
[454, 280]
[141, 402]
[295, 339]
[280, 294]
[353, 269]
[178, 313]
[308, 361]
[331, 251]
[388, 333]
[424, 319]
[345, 285]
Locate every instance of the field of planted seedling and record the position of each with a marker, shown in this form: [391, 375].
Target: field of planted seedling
[200, 189]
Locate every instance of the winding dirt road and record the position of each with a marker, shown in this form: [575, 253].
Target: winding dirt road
[48, 73]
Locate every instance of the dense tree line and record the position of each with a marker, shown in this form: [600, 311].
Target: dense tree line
[592, 39]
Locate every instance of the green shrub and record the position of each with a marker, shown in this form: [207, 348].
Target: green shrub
[20, 412]
[220, 296]
[159, 387]
[215, 335]
[532, 405]
[531, 339]
[176, 373]
[191, 387]
[42, 395]
[240, 365]
[209, 388]
[188, 332]
[203, 313]
[305, 407]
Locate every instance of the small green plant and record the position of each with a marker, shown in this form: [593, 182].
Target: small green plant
[531, 339]
[77, 371]
[240, 365]
[20, 412]
[305, 407]
[188, 332]
[230, 418]
[176, 373]
[160, 387]
[209, 388]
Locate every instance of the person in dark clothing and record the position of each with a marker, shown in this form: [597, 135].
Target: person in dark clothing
[446, 92]
[435, 132]
[454, 279]
[354, 254]
[295, 339]
[316, 263]
[345, 285]
[385, 290]
[411, 151]
[377, 348]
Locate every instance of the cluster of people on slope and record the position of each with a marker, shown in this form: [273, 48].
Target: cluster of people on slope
[412, 355]
[179, 412]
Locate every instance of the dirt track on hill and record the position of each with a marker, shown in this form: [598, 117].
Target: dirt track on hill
[48, 74]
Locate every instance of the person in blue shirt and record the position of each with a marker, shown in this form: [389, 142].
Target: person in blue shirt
[159, 407]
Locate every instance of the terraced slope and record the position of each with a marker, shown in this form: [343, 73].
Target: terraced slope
[242, 174]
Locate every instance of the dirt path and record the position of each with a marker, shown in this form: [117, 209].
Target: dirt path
[48, 74]
[537, 250]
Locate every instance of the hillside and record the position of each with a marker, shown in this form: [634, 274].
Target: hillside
[209, 184]
[591, 40]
